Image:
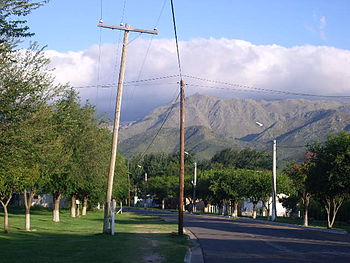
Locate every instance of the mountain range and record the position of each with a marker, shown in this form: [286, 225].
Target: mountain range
[213, 124]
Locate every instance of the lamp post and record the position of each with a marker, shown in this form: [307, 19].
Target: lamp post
[194, 184]
[194, 187]
[146, 179]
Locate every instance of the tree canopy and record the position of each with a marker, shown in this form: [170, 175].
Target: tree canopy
[243, 159]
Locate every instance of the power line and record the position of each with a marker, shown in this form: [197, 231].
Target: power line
[108, 85]
[176, 40]
[241, 87]
[170, 109]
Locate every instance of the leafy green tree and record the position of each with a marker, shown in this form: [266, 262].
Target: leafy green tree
[228, 187]
[329, 173]
[10, 181]
[299, 176]
[25, 88]
[121, 182]
[243, 159]
[39, 155]
[204, 182]
[12, 23]
[256, 185]
[163, 187]
[66, 120]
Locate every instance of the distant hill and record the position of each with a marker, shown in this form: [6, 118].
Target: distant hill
[213, 124]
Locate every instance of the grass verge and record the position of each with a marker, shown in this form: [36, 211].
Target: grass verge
[338, 225]
[138, 238]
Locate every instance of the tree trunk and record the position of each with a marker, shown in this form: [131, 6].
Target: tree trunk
[27, 206]
[78, 210]
[235, 211]
[85, 204]
[6, 219]
[306, 209]
[73, 207]
[163, 203]
[229, 207]
[254, 210]
[6, 214]
[332, 206]
[56, 207]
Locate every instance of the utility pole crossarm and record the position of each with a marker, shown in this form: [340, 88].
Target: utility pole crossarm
[154, 32]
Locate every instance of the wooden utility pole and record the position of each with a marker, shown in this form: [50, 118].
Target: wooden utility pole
[107, 224]
[182, 158]
[274, 164]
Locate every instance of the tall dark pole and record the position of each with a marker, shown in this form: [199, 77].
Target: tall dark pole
[182, 158]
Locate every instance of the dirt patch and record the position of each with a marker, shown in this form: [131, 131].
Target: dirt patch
[147, 229]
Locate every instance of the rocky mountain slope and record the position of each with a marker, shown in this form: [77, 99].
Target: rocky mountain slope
[213, 124]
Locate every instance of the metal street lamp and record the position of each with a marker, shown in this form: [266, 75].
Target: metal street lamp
[194, 183]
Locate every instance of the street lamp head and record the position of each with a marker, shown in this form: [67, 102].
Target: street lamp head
[187, 153]
[139, 166]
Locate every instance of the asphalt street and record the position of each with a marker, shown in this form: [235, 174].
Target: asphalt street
[238, 240]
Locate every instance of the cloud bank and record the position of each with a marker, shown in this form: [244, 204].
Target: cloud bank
[308, 69]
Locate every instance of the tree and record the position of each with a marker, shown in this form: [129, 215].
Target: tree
[121, 182]
[299, 176]
[39, 155]
[25, 88]
[12, 24]
[330, 173]
[244, 159]
[228, 187]
[66, 120]
[257, 186]
[163, 187]
[9, 182]
[93, 162]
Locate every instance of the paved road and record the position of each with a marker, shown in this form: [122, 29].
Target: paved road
[226, 240]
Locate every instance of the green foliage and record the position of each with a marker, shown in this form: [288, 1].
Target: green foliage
[331, 166]
[26, 86]
[244, 159]
[329, 172]
[299, 192]
[163, 187]
[12, 24]
[256, 185]
[227, 185]
[121, 182]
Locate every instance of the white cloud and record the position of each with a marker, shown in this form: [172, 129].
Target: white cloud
[307, 69]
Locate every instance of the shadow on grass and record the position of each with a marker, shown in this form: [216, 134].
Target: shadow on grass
[21, 246]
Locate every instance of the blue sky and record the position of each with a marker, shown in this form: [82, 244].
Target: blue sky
[71, 25]
[289, 45]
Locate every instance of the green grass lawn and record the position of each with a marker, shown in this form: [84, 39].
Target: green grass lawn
[138, 238]
[314, 223]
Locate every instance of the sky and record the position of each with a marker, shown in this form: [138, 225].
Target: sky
[294, 46]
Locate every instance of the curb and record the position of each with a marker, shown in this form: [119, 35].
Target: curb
[333, 231]
[194, 254]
